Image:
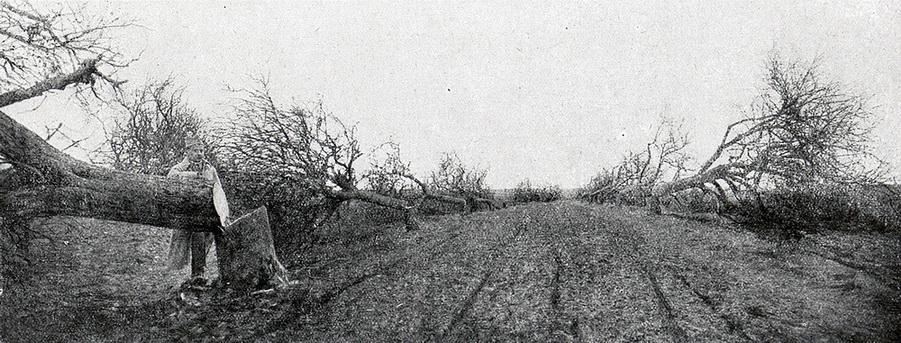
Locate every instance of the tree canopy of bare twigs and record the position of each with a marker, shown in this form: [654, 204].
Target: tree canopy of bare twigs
[454, 177]
[149, 135]
[306, 144]
[43, 48]
[390, 174]
[803, 129]
[662, 159]
[301, 161]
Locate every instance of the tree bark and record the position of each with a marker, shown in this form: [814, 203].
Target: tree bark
[710, 176]
[57, 184]
[84, 74]
[246, 255]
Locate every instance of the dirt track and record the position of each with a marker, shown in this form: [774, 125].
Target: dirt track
[560, 272]
[575, 272]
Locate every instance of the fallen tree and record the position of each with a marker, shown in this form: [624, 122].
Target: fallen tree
[48, 182]
[303, 147]
[632, 180]
[802, 130]
[53, 49]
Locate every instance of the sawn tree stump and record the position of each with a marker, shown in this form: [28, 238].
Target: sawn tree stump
[246, 254]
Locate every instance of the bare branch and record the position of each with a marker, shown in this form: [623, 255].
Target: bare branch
[84, 74]
[41, 43]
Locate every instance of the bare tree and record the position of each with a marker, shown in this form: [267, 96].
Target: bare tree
[632, 180]
[45, 49]
[802, 129]
[149, 135]
[453, 182]
[308, 144]
[454, 177]
[309, 152]
[389, 173]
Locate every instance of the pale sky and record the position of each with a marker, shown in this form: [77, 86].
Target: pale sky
[552, 93]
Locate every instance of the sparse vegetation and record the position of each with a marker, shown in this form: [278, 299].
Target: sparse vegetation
[632, 180]
[455, 177]
[809, 208]
[149, 135]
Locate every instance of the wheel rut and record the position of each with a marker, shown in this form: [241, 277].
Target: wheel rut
[495, 254]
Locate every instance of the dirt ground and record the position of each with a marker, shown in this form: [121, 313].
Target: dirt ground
[559, 272]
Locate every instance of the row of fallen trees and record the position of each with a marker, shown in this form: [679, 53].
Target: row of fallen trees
[805, 139]
[318, 153]
[298, 160]
[302, 161]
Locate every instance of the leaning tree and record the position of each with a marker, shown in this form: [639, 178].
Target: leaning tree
[632, 179]
[803, 129]
[312, 153]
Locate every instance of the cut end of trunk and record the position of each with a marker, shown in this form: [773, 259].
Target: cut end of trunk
[246, 254]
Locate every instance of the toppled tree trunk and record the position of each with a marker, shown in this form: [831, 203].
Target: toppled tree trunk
[49, 182]
[410, 209]
[709, 176]
[44, 181]
[246, 254]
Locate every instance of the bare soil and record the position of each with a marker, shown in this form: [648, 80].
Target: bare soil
[559, 272]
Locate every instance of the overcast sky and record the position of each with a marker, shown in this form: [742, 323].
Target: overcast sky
[552, 93]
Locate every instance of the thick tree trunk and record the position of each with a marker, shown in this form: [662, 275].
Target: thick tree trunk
[710, 176]
[47, 182]
[133, 198]
[43, 181]
[53, 183]
[246, 255]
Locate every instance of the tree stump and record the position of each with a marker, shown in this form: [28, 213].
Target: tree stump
[246, 254]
